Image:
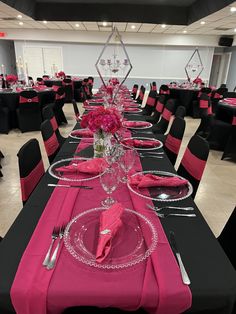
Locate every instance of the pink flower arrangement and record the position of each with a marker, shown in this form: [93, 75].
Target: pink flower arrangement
[114, 81]
[109, 90]
[197, 80]
[11, 78]
[61, 74]
[101, 119]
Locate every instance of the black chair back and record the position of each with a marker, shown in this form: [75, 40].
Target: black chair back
[30, 167]
[68, 86]
[161, 100]
[162, 126]
[141, 94]
[180, 112]
[150, 103]
[51, 143]
[58, 106]
[48, 114]
[76, 110]
[134, 91]
[194, 161]
[164, 90]
[174, 139]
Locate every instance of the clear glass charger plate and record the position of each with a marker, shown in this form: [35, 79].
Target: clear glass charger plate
[80, 136]
[129, 247]
[148, 125]
[159, 144]
[137, 110]
[74, 177]
[162, 194]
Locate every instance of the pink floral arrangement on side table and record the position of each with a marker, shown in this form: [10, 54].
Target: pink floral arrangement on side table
[197, 80]
[102, 120]
[61, 74]
[11, 78]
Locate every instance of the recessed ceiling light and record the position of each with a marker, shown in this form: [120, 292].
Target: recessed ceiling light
[235, 30]
[77, 25]
[19, 16]
[203, 23]
[104, 23]
[233, 9]
[21, 23]
[133, 26]
[185, 32]
[44, 22]
[163, 25]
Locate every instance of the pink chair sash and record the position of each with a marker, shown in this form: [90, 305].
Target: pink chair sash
[28, 183]
[134, 90]
[234, 121]
[203, 103]
[166, 114]
[217, 96]
[151, 101]
[209, 110]
[51, 145]
[154, 88]
[141, 95]
[90, 82]
[24, 100]
[58, 97]
[159, 107]
[194, 165]
[173, 144]
[54, 123]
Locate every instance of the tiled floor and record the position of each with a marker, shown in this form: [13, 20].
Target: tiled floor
[215, 198]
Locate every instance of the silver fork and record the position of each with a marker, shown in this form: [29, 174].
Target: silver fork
[150, 156]
[151, 153]
[169, 207]
[52, 262]
[55, 234]
[179, 215]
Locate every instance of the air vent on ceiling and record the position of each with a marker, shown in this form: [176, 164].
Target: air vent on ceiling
[222, 29]
[9, 19]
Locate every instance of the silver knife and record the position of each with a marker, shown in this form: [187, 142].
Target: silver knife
[184, 274]
[71, 186]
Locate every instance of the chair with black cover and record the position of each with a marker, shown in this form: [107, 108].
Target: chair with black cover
[154, 86]
[85, 85]
[68, 86]
[150, 103]
[194, 161]
[76, 110]
[46, 77]
[141, 95]
[199, 105]
[50, 140]
[58, 106]
[29, 111]
[206, 116]
[162, 126]
[180, 112]
[4, 118]
[90, 85]
[164, 90]
[217, 95]
[158, 110]
[227, 238]
[134, 91]
[40, 81]
[48, 114]
[230, 147]
[174, 139]
[31, 167]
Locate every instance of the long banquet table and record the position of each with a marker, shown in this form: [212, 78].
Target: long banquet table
[213, 279]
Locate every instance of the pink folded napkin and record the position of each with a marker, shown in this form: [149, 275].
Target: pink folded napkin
[135, 123]
[82, 133]
[92, 166]
[91, 107]
[141, 143]
[110, 222]
[131, 109]
[96, 100]
[151, 180]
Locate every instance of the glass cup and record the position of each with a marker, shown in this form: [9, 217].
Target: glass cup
[109, 181]
[127, 161]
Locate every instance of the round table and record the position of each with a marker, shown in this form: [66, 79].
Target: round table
[225, 112]
[184, 96]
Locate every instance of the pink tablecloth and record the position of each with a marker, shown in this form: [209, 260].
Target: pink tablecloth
[155, 284]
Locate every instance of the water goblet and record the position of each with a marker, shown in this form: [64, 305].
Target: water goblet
[127, 161]
[109, 181]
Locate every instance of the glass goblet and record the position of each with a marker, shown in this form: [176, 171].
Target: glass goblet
[127, 161]
[109, 181]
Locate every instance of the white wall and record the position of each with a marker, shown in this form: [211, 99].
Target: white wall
[7, 56]
[159, 63]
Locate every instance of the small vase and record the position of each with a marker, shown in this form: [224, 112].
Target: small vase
[101, 142]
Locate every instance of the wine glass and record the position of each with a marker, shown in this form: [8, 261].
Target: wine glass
[126, 162]
[109, 181]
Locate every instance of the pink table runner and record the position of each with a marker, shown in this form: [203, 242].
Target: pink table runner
[71, 283]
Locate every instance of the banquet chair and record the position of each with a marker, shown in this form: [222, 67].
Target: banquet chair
[164, 90]
[86, 88]
[29, 111]
[141, 95]
[217, 95]
[174, 139]
[134, 91]
[4, 118]
[76, 110]
[150, 103]
[194, 161]
[46, 77]
[40, 81]
[49, 115]
[230, 147]
[200, 106]
[158, 110]
[51, 143]
[162, 126]
[68, 86]
[227, 238]
[154, 86]
[180, 112]
[90, 85]
[31, 167]
[58, 106]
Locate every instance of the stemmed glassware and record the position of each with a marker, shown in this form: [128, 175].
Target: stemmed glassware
[109, 181]
[126, 162]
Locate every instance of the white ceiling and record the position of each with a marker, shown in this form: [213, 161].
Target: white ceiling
[223, 19]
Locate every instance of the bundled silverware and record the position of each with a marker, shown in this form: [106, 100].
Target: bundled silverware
[188, 208]
[86, 187]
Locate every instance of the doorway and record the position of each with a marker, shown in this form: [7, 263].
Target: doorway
[219, 69]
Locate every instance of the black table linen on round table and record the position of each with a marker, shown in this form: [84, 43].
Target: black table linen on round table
[184, 97]
[213, 279]
[225, 112]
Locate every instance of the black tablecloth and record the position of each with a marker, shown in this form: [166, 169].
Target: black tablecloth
[50, 83]
[11, 100]
[185, 97]
[225, 112]
[213, 279]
